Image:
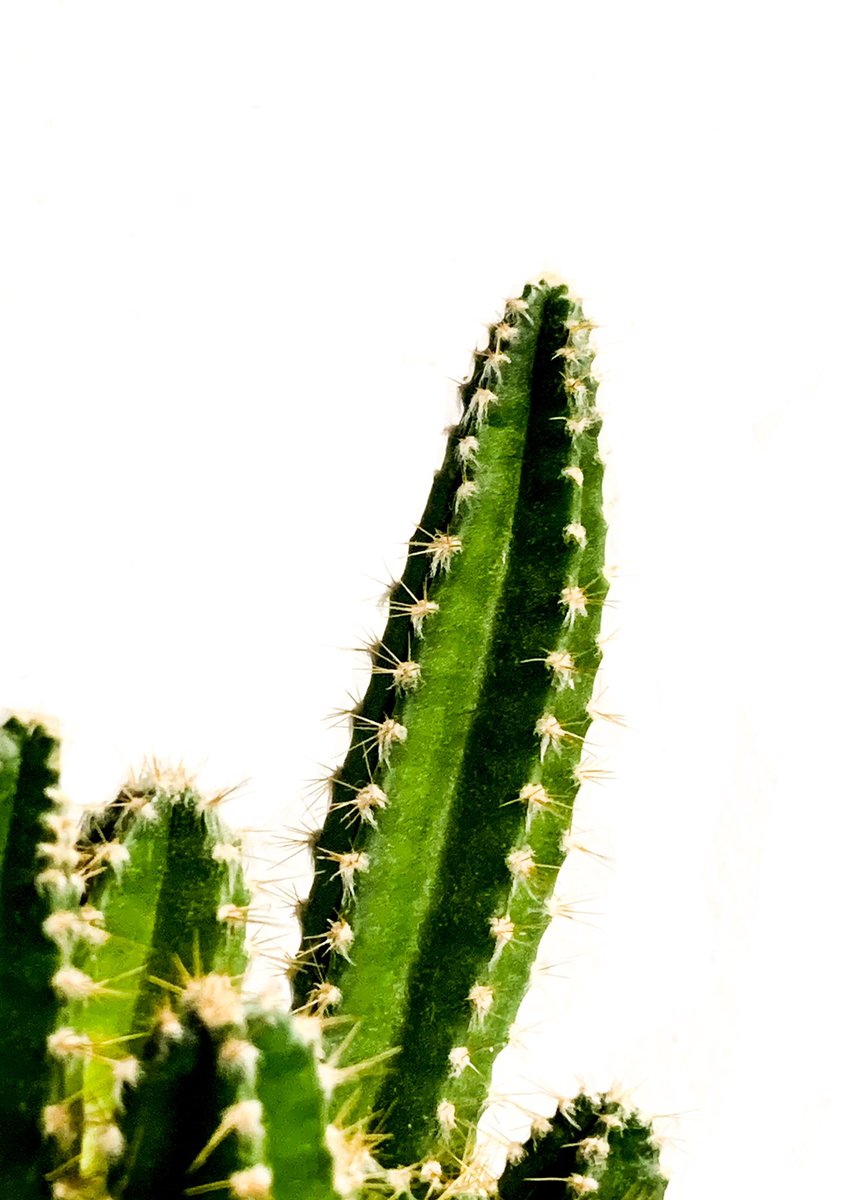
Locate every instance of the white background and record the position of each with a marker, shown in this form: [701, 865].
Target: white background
[247, 248]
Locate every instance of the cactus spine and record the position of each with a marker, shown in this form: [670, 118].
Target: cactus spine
[149, 1074]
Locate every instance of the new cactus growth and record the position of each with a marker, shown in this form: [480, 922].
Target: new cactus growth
[596, 1146]
[148, 1073]
[32, 864]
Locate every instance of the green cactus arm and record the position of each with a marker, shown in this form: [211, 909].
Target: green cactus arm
[173, 903]
[294, 1112]
[10, 765]
[594, 1146]
[29, 959]
[171, 1117]
[227, 1103]
[517, 579]
[354, 800]
[165, 892]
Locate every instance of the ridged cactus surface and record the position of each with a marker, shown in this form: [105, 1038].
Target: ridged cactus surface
[595, 1146]
[138, 1071]
[173, 908]
[30, 868]
[138, 1064]
[450, 815]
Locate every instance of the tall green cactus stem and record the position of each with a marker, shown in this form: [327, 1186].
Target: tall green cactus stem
[594, 1146]
[447, 819]
[36, 870]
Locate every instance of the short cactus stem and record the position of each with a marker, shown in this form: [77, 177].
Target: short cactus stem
[256, 1111]
[39, 920]
[594, 1146]
[168, 855]
[294, 1105]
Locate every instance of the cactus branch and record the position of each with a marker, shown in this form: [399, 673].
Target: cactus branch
[445, 886]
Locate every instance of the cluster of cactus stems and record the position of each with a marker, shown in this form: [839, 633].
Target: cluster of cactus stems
[136, 1065]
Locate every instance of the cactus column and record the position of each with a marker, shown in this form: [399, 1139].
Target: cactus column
[449, 817]
[35, 876]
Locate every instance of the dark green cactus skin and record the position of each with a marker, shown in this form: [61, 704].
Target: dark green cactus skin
[189, 1078]
[295, 1112]
[435, 874]
[344, 827]
[28, 959]
[595, 1147]
[171, 1116]
[161, 907]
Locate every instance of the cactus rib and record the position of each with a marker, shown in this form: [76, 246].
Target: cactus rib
[34, 874]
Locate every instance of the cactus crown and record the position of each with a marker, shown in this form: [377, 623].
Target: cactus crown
[141, 1069]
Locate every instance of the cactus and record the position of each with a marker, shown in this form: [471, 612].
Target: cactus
[597, 1145]
[138, 1070]
[28, 958]
[473, 731]
[147, 1070]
